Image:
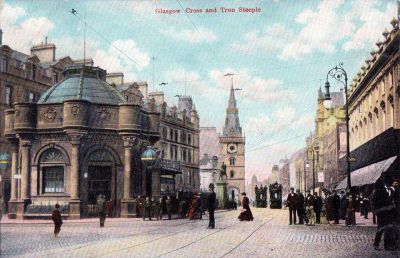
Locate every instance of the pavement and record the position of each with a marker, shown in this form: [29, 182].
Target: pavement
[269, 235]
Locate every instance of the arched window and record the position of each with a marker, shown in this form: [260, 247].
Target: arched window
[232, 161]
[52, 164]
[232, 173]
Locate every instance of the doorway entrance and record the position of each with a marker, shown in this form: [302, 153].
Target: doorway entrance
[99, 182]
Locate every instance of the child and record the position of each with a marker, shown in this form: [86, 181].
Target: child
[56, 216]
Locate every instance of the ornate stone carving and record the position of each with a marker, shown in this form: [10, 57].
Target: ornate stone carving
[75, 110]
[102, 137]
[17, 112]
[129, 141]
[104, 113]
[50, 114]
[52, 137]
[52, 155]
[101, 155]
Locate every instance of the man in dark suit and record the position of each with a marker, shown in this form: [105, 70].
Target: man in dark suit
[335, 207]
[292, 203]
[300, 207]
[211, 206]
[317, 207]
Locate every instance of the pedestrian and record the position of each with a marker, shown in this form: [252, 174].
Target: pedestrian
[56, 217]
[300, 207]
[156, 207]
[147, 205]
[246, 213]
[138, 208]
[384, 209]
[335, 207]
[162, 207]
[199, 209]
[101, 206]
[211, 206]
[343, 205]
[351, 212]
[329, 206]
[168, 206]
[310, 209]
[317, 207]
[292, 203]
[109, 207]
[364, 205]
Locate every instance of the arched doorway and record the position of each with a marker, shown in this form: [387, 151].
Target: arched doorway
[99, 177]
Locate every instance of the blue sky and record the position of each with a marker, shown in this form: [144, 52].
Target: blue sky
[280, 55]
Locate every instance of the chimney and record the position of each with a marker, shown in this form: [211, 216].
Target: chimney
[45, 52]
[1, 37]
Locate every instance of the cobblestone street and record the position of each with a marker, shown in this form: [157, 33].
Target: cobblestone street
[267, 236]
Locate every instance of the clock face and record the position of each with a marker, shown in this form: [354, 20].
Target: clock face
[232, 148]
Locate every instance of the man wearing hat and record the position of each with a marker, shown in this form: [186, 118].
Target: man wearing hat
[292, 200]
[211, 206]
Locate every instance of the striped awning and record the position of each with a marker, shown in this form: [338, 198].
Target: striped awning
[368, 174]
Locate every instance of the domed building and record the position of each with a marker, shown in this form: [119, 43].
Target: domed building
[80, 140]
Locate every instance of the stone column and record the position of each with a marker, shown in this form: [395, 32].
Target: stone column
[74, 203]
[14, 165]
[25, 169]
[126, 203]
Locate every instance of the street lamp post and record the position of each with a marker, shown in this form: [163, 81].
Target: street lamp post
[149, 158]
[340, 75]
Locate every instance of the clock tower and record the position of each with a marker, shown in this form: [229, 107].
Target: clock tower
[232, 150]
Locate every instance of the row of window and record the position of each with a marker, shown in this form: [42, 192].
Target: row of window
[173, 135]
[30, 96]
[186, 154]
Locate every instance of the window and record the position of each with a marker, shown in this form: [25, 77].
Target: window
[171, 153]
[189, 139]
[53, 179]
[232, 173]
[189, 156]
[171, 134]
[3, 64]
[34, 69]
[164, 132]
[184, 155]
[8, 95]
[232, 161]
[31, 97]
[183, 137]
[176, 135]
[55, 77]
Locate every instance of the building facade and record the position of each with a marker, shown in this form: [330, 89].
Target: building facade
[374, 106]
[24, 78]
[232, 150]
[81, 139]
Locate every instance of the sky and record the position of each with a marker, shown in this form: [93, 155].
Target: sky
[280, 55]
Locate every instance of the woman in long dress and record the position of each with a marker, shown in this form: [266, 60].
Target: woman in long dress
[246, 213]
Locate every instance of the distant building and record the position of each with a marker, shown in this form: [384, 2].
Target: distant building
[274, 177]
[298, 169]
[209, 151]
[284, 176]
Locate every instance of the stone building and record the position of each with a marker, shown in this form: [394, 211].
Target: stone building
[23, 78]
[298, 169]
[374, 106]
[284, 174]
[232, 150]
[274, 177]
[81, 139]
[209, 150]
[179, 138]
[334, 149]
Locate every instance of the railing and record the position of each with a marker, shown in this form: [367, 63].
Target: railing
[45, 209]
[171, 165]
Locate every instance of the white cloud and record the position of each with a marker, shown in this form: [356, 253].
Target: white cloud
[271, 39]
[373, 23]
[190, 35]
[113, 61]
[320, 31]
[22, 35]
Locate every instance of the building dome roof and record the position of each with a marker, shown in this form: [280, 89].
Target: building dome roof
[83, 83]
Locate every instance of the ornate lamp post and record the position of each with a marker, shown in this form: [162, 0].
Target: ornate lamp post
[149, 159]
[340, 75]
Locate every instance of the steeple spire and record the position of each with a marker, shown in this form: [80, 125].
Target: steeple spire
[232, 126]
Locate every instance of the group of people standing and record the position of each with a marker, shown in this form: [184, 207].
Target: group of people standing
[306, 208]
[152, 207]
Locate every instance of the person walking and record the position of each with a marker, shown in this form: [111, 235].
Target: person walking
[384, 209]
[351, 212]
[310, 209]
[292, 203]
[156, 207]
[56, 217]
[139, 203]
[317, 207]
[300, 207]
[364, 205]
[147, 205]
[168, 205]
[101, 207]
[211, 206]
[335, 207]
[343, 205]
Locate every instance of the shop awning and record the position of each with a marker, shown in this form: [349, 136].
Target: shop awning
[368, 174]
